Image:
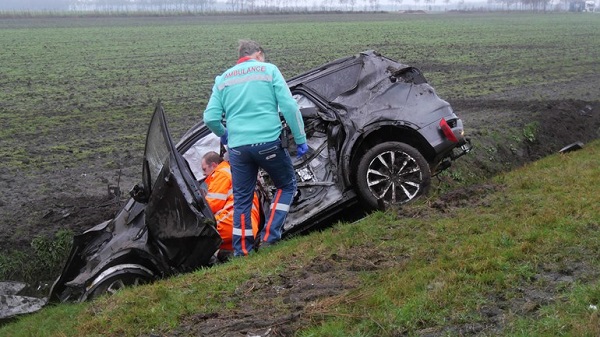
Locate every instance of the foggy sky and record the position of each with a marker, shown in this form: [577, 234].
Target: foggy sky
[64, 5]
[34, 4]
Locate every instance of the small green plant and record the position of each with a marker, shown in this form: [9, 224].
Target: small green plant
[10, 264]
[457, 175]
[530, 130]
[51, 252]
[42, 262]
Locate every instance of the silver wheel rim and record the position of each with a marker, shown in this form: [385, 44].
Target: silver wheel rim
[136, 273]
[118, 284]
[395, 177]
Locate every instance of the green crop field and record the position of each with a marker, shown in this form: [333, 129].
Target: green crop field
[74, 89]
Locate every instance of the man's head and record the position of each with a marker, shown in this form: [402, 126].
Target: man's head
[210, 161]
[249, 48]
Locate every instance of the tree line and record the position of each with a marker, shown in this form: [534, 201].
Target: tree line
[203, 6]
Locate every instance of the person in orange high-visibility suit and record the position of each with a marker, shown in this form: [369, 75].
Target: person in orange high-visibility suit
[220, 198]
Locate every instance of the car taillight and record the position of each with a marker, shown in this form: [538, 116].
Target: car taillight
[448, 131]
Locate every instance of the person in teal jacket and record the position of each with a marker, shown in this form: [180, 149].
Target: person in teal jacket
[250, 97]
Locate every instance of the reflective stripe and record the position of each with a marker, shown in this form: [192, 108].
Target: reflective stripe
[239, 231]
[218, 196]
[225, 213]
[227, 209]
[281, 207]
[227, 217]
[238, 80]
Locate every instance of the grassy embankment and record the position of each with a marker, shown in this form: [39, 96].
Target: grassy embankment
[439, 269]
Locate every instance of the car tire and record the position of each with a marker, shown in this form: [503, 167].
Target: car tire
[116, 278]
[394, 172]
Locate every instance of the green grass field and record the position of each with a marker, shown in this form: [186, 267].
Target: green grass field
[79, 88]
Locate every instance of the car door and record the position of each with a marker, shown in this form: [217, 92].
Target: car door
[176, 214]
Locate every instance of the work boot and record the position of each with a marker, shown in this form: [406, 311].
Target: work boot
[224, 255]
[265, 244]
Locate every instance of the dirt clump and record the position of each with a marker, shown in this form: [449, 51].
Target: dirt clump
[304, 292]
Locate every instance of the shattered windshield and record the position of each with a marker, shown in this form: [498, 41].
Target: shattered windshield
[195, 153]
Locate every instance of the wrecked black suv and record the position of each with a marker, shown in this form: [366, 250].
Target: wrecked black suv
[376, 130]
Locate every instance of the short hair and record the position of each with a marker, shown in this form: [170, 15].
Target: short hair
[212, 157]
[248, 47]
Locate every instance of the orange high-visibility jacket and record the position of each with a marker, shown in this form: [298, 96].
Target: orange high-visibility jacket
[220, 201]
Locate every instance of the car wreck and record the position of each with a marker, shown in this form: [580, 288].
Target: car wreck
[12, 303]
[376, 130]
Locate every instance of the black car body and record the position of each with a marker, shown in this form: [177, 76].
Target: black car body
[165, 228]
[376, 132]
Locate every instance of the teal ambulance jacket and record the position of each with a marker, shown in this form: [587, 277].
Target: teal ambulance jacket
[251, 94]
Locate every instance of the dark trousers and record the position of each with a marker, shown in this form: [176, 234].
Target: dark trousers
[245, 162]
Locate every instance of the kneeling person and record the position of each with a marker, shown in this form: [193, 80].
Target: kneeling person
[220, 200]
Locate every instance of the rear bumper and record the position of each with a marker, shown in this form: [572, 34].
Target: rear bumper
[446, 160]
[465, 148]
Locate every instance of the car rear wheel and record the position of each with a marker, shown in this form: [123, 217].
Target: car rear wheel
[116, 278]
[392, 172]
